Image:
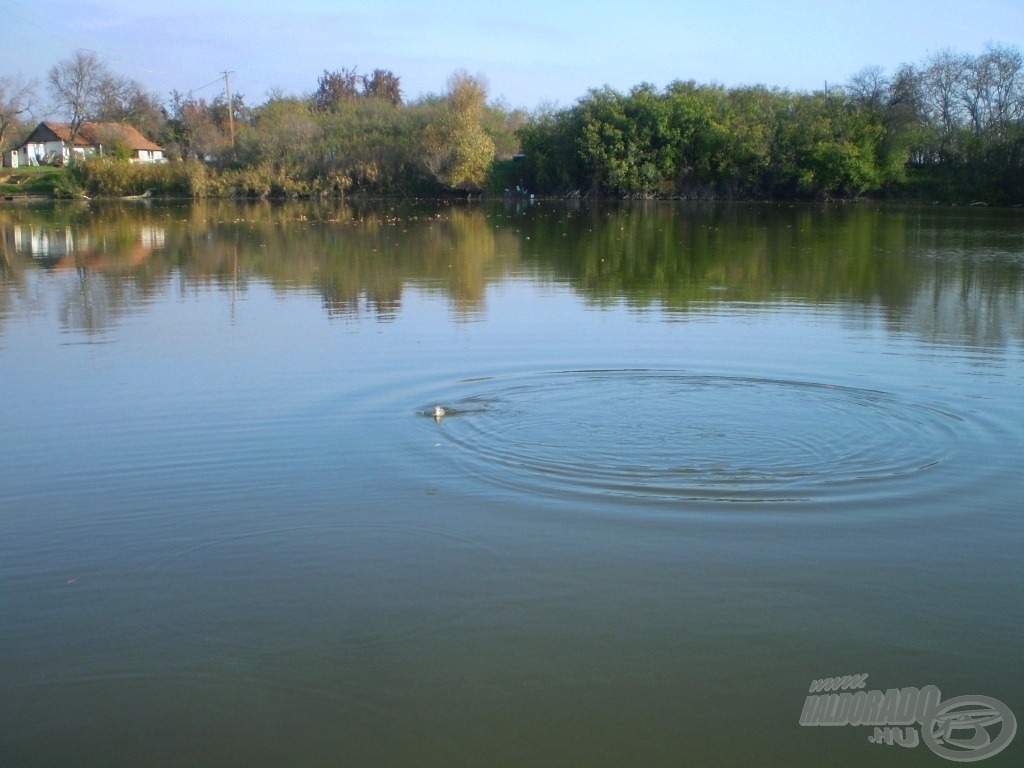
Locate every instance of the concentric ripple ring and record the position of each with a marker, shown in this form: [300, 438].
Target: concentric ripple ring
[666, 436]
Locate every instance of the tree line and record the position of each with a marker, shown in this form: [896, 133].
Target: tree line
[948, 128]
[352, 133]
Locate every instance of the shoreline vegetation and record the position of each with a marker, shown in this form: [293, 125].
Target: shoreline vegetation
[949, 129]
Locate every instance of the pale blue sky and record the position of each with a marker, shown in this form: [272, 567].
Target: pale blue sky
[530, 51]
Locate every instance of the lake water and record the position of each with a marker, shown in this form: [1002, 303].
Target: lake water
[694, 457]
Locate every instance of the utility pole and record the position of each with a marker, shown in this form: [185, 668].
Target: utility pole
[231, 107]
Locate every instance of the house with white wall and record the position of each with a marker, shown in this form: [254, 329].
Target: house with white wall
[50, 144]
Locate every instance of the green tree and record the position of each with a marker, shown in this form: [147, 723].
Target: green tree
[548, 141]
[824, 146]
[283, 133]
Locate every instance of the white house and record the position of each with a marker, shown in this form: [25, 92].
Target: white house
[50, 143]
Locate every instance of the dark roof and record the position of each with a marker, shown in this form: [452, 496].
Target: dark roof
[93, 134]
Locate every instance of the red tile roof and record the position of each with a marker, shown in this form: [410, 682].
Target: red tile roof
[93, 134]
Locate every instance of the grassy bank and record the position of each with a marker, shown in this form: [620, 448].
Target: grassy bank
[104, 177]
[30, 182]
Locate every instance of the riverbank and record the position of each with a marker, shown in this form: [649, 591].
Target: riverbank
[108, 178]
[37, 181]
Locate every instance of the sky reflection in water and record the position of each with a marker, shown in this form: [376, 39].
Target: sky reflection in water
[695, 457]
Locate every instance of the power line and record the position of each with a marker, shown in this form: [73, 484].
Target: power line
[190, 91]
[23, 15]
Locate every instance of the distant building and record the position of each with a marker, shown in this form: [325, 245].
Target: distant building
[50, 144]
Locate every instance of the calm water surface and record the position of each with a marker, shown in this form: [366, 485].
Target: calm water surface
[693, 458]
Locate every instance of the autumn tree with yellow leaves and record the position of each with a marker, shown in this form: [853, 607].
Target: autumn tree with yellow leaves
[457, 150]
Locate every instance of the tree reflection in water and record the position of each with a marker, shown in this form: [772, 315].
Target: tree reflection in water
[947, 274]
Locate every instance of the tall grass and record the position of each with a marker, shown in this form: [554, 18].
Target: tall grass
[109, 177]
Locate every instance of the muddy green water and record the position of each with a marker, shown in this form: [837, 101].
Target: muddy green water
[693, 458]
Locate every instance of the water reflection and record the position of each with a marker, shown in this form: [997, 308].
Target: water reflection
[949, 275]
[901, 260]
[260, 512]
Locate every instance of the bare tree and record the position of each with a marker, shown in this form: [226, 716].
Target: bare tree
[16, 97]
[993, 89]
[942, 88]
[193, 127]
[869, 87]
[79, 85]
[905, 97]
[123, 100]
[113, 94]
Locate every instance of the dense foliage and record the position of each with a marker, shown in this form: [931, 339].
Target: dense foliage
[950, 128]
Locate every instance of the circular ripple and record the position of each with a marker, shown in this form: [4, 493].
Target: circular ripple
[665, 436]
